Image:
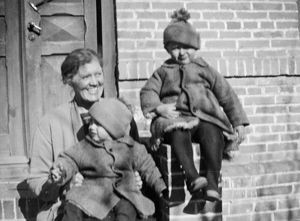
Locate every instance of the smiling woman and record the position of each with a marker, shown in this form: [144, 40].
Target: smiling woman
[63, 127]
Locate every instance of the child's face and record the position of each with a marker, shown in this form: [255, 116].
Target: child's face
[97, 132]
[182, 54]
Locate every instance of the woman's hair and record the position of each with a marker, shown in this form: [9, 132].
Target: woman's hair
[74, 60]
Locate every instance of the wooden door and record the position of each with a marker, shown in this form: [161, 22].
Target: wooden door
[12, 133]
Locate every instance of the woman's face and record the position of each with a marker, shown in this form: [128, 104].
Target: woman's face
[88, 82]
[180, 53]
[97, 132]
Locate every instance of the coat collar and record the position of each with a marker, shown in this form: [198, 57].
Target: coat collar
[127, 140]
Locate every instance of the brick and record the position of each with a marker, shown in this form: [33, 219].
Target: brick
[202, 6]
[268, 34]
[211, 54]
[244, 217]
[253, 148]
[209, 34]
[282, 146]
[233, 25]
[126, 44]
[271, 109]
[151, 15]
[290, 6]
[266, 67]
[267, 6]
[291, 136]
[287, 99]
[265, 206]
[262, 216]
[253, 44]
[265, 138]
[284, 43]
[278, 128]
[262, 129]
[133, 5]
[292, 34]
[254, 90]
[267, 25]
[149, 44]
[271, 191]
[235, 34]
[237, 208]
[291, 214]
[271, 53]
[8, 209]
[218, 15]
[146, 24]
[235, 6]
[286, 24]
[125, 15]
[220, 44]
[200, 25]
[293, 127]
[264, 180]
[235, 194]
[252, 15]
[288, 203]
[123, 25]
[284, 15]
[250, 25]
[216, 25]
[135, 55]
[162, 25]
[134, 34]
[167, 5]
[259, 100]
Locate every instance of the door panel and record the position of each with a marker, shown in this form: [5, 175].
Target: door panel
[12, 137]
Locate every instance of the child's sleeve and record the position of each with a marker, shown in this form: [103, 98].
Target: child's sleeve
[149, 95]
[145, 165]
[68, 159]
[228, 99]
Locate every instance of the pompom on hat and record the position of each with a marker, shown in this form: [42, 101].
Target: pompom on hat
[181, 31]
[113, 115]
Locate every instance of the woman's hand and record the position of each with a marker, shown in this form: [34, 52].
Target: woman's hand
[167, 110]
[58, 174]
[241, 133]
[138, 180]
[77, 180]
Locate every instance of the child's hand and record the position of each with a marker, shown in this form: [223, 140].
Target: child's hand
[167, 110]
[241, 133]
[57, 174]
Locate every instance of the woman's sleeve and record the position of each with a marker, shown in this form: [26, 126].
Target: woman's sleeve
[41, 160]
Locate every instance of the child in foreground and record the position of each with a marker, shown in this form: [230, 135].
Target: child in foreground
[107, 158]
[189, 101]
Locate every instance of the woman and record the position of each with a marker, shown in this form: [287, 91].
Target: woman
[63, 127]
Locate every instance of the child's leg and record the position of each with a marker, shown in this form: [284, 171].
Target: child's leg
[180, 141]
[212, 143]
[125, 211]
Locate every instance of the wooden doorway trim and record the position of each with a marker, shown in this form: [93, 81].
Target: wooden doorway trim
[109, 47]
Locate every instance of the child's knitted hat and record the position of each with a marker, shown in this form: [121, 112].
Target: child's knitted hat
[113, 115]
[181, 31]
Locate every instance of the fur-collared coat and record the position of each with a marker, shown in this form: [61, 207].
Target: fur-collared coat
[200, 93]
[108, 170]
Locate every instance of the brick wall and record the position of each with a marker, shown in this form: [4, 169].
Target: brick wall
[255, 45]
